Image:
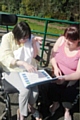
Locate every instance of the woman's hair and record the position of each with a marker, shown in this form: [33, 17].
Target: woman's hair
[21, 30]
[72, 33]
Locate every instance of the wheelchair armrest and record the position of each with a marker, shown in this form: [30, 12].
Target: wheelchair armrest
[8, 88]
[1, 70]
[5, 86]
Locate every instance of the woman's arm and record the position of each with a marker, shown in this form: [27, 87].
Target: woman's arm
[6, 54]
[28, 67]
[75, 75]
[7, 57]
[35, 43]
[60, 40]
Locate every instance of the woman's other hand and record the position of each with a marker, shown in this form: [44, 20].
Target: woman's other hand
[60, 80]
[37, 39]
[28, 67]
[57, 72]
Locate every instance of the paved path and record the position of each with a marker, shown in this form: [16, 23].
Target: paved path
[14, 107]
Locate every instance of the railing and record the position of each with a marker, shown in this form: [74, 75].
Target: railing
[46, 22]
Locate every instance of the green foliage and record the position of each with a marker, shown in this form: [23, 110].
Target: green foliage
[42, 8]
[4, 8]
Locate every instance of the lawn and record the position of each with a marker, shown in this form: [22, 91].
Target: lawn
[39, 26]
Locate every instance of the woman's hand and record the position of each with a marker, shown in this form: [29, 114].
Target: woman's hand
[57, 72]
[30, 68]
[37, 39]
[60, 80]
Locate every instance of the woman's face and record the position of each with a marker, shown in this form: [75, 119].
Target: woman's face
[24, 40]
[71, 44]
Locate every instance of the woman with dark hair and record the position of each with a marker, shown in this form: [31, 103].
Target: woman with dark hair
[20, 35]
[65, 60]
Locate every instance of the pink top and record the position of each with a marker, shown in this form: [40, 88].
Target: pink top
[66, 64]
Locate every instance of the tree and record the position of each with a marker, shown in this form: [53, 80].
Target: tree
[12, 6]
[60, 9]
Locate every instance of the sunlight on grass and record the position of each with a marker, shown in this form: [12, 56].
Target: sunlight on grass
[40, 26]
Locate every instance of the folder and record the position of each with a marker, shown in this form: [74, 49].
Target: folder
[35, 78]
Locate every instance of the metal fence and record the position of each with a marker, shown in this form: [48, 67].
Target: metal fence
[47, 21]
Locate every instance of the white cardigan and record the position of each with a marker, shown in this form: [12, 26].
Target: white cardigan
[25, 53]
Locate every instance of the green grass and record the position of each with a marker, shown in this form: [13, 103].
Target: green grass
[37, 25]
[53, 28]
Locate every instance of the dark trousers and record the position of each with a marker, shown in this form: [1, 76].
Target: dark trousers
[58, 93]
[62, 93]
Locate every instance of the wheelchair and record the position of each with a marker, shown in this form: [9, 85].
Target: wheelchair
[8, 20]
[5, 90]
[42, 102]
